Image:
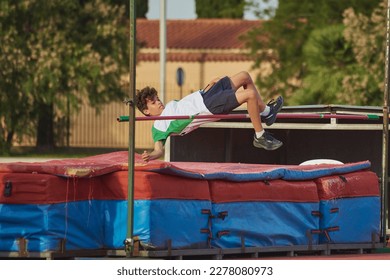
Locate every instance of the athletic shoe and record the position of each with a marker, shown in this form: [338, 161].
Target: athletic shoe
[275, 107]
[267, 141]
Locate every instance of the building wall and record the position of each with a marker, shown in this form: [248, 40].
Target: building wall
[89, 129]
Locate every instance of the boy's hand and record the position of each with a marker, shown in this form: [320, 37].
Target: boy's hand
[145, 156]
[155, 154]
[211, 83]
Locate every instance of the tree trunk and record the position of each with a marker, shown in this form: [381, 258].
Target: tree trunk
[45, 130]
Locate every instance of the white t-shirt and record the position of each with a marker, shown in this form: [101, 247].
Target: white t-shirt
[190, 105]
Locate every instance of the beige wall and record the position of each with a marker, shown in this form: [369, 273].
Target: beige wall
[196, 74]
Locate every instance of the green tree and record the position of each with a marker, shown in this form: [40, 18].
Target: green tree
[279, 42]
[329, 58]
[220, 8]
[142, 7]
[366, 35]
[345, 62]
[57, 53]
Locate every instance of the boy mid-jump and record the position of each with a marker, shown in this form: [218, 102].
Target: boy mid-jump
[220, 96]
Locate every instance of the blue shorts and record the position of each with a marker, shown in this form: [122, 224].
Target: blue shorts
[221, 97]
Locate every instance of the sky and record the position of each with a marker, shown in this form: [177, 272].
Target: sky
[181, 9]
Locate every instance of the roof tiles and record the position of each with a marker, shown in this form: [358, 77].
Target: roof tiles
[196, 34]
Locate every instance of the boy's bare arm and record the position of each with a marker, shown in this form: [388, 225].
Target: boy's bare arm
[156, 153]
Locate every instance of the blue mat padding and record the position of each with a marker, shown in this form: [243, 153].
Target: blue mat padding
[261, 224]
[44, 225]
[103, 224]
[350, 220]
[290, 173]
[157, 221]
[229, 176]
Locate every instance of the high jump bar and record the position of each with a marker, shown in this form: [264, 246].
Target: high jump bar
[246, 116]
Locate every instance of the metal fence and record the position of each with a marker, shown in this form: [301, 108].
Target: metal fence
[91, 128]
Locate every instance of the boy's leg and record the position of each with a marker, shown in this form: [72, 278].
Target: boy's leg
[244, 80]
[223, 95]
[268, 111]
[250, 95]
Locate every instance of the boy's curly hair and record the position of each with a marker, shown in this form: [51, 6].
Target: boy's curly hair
[142, 97]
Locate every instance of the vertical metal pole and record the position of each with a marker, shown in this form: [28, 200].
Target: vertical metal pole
[163, 68]
[163, 48]
[385, 138]
[129, 242]
[67, 121]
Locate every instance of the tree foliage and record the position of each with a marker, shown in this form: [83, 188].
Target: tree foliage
[282, 40]
[55, 53]
[220, 8]
[142, 7]
[367, 38]
[345, 62]
[328, 59]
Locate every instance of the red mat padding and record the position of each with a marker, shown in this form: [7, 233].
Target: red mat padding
[47, 189]
[275, 190]
[118, 161]
[356, 184]
[150, 185]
